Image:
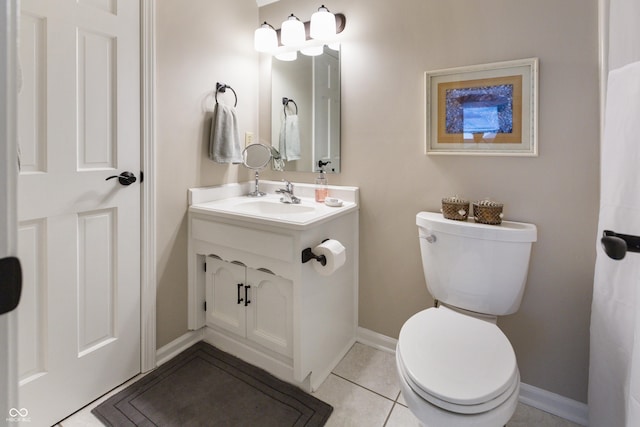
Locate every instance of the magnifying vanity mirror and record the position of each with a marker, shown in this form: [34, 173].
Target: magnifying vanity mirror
[256, 157]
[305, 111]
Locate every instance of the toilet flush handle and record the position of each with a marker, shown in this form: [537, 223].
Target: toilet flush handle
[431, 238]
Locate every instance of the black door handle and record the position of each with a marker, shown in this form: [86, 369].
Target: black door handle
[617, 245]
[125, 178]
[10, 284]
[247, 301]
[240, 285]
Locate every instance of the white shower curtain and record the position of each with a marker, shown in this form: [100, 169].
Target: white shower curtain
[614, 374]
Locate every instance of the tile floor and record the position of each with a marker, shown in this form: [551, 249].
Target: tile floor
[363, 391]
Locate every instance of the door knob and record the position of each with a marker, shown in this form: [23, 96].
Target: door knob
[125, 178]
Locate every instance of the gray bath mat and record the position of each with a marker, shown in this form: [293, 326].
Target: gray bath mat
[204, 386]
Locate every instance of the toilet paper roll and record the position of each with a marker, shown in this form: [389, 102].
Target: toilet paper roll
[334, 252]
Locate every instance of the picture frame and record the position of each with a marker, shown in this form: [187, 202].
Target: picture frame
[486, 110]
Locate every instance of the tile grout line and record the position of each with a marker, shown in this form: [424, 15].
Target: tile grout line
[386, 420]
[398, 398]
[363, 387]
[395, 403]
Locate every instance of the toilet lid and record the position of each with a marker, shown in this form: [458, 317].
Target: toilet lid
[457, 358]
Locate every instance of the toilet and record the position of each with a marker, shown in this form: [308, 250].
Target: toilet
[456, 367]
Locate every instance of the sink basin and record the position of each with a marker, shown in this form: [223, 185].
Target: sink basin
[270, 210]
[271, 207]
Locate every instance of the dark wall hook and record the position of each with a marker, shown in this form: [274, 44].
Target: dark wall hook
[617, 245]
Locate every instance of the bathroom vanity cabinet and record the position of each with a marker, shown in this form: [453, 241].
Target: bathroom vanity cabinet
[249, 303]
[251, 294]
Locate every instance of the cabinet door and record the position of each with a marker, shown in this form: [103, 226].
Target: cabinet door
[224, 288]
[270, 312]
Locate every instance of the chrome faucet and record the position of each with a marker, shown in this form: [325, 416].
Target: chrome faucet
[287, 193]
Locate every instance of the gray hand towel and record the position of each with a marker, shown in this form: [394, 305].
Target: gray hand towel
[224, 141]
[290, 138]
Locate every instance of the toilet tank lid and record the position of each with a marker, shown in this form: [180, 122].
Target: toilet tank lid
[508, 231]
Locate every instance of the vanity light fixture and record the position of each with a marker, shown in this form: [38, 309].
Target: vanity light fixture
[265, 38]
[292, 33]
[309, 37]
[323, 24]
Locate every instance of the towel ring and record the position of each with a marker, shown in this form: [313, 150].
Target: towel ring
[221, 87]
[285, 102]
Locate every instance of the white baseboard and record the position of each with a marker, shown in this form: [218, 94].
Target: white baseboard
[538, 398]
[177, 346]
[555, 404]
[376, 340]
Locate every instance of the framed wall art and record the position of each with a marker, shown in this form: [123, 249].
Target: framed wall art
[488, 109]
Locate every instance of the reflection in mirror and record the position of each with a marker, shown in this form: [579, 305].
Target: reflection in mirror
[278, 163]
[256, 157]
[305, 111]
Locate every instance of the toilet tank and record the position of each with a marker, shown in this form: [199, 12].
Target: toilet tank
[477, 267]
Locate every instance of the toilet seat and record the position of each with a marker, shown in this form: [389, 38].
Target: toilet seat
[457, 362]
[452, 407]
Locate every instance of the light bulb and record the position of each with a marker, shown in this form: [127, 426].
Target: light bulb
[265, 38]
[292, 32]
[323, 24]
[312, 50]
[287, 56]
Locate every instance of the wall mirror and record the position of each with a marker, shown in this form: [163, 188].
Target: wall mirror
[305, 111]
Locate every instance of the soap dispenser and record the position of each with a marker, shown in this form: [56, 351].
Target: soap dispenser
[322, 185]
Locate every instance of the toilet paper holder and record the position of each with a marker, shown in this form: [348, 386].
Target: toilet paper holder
[308, 255]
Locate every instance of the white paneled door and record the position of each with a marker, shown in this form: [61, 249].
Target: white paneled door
[78, 233]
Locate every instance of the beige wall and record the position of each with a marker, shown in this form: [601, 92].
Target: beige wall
[387, 47]
[199, 43]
